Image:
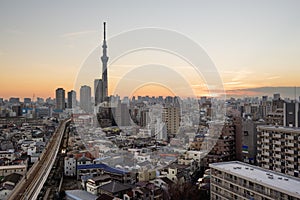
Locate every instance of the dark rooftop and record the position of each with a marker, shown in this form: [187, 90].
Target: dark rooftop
[115, 187]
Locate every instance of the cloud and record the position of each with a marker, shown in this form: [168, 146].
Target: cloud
[273, 77]
[77, 34]
[232, 83]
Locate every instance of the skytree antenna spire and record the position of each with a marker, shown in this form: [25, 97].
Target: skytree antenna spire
[104, 32]
[104, 59]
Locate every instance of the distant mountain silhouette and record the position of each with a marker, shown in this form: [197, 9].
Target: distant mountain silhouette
[285, 92]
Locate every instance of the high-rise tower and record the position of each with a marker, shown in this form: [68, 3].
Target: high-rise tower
[85, 98]
[104, 59]
[60, 99]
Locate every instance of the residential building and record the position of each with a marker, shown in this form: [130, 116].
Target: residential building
[171, 117]
[70, 166]
[291, 114]
[72, 99]
[237, 180]
[249, 141]
[60, 99]
[85, 98]
[115, 188]
[225, 146]
[93, 184]
[278, 149]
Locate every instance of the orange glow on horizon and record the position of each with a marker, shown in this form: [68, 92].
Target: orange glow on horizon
[153, 90]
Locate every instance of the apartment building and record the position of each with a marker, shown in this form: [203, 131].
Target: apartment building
[278, 149]
[237, 180]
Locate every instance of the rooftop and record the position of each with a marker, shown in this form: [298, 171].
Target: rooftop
[280, 128]
[80, 195]
[115, 187]
[262, 176]
[102, 166]
[12, 167]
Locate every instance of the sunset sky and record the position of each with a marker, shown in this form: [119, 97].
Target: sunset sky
[44, 45]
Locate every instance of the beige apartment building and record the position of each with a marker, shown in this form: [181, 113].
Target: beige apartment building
[278, 149]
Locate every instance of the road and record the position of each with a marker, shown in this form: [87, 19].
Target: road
[32, 183]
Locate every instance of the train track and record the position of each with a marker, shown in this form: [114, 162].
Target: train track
[32, 183]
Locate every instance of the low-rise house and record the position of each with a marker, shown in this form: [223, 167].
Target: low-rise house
[8, 154]
[70, 166]
[115, 188]
[93, 184]
[146, 175]
[162, 182]
[147, 191]
[178, 173]
[99, 169]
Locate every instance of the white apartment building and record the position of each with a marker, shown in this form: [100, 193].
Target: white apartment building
[237, 180]
[70, 166]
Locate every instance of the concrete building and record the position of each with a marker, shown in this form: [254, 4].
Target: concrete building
[72, 99]
[60, 99]
[291, 114]
[275, 117]
[9, 169]
[171, 117]
[85, 98]
[237, 180]
[225, 146]
[93, 184]
[98, 91]
[70, 166]
[125, 117]
[278, 149]
[249, 141]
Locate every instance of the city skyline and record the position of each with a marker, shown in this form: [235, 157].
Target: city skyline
[252, 44]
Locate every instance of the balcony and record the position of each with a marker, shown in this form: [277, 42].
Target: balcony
[290, 159]
[277, 136]
[265, 140]
[277, 156]
[265, 147]
[265, 134]
[277, 149]
[289, 144]
[290, 166]
[288, 151]
[277, 163]
[289, 137]
[277, 142]
[266, 153]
